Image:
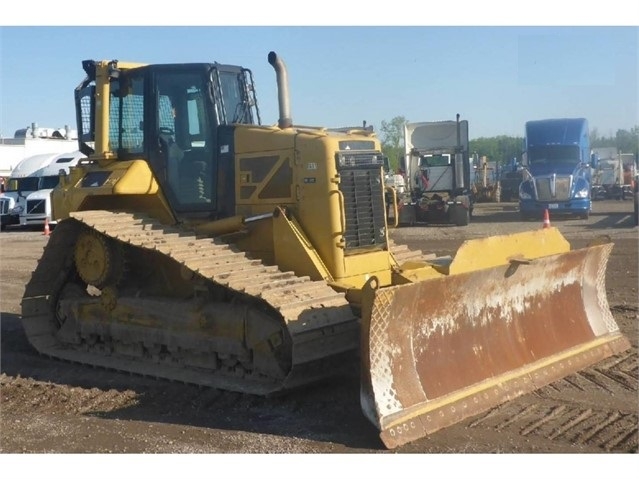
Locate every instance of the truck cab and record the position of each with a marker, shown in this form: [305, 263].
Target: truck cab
[24, 180]
[37, 208]
[557, 161]
[437, 169]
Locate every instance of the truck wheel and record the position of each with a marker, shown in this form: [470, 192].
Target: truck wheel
[460, 216]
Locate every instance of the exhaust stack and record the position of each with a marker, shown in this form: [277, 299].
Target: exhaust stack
[277, 63]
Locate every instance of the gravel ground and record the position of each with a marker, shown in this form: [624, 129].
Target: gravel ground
[55, 408]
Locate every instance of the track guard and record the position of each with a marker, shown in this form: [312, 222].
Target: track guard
[441, 350]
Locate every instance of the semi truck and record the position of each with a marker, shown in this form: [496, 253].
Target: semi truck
[436, 166]
[37, 207]
[557, 161]
[25, 179]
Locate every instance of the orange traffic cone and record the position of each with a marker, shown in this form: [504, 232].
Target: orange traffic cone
[46, 231]
[546, 219]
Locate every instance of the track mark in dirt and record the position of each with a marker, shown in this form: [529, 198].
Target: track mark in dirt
[615, 374]
[589, 375]
[608, 430]
[554, 413]
[574, 422]
[571, 382]
[597, 429]
[604, 422]
[627, 438]
[485, 417]
[523, 413]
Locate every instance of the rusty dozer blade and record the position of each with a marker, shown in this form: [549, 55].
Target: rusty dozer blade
[441, 350]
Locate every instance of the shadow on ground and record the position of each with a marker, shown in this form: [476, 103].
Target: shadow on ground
[326, 412]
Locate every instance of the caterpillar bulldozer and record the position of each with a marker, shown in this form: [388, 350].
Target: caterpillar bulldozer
[198, 245]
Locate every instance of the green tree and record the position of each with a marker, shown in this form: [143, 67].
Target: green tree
[392, 138]
[628, 141]
[501, 148]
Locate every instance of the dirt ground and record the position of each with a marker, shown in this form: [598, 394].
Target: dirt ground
[49, 406]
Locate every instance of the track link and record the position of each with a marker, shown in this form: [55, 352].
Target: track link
[319, 320]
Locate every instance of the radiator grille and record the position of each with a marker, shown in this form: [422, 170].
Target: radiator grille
[562, 188]
[35, 207]
[362, 188]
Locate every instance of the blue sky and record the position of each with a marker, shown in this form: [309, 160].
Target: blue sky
[494, 75]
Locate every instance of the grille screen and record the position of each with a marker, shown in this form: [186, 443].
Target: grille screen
[362, 187]
[35, 207]
[562, 188]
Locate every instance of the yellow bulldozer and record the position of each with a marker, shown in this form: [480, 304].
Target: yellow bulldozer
[196, 244]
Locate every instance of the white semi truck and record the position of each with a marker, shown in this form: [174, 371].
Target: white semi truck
[24, 180]
[28, 189]
[436, 166]
[37, 209]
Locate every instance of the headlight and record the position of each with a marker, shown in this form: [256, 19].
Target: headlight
[582, 189]
[16, 210]
[583, 193]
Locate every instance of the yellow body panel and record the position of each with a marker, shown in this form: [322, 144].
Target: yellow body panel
[117, 184]
[314, 199]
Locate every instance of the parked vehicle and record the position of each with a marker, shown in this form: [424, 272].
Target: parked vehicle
[34, 140]
[37, 207]
[509, 180]
[436, 167]
[485, 182]
[557, 159]
[25, 179]
[613, 176]
[4, 212]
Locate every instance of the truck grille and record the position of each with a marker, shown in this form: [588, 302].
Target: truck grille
[562, 188]
[35, 207]
[362, 187]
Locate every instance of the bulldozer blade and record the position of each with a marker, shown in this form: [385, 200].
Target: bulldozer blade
[438, 351]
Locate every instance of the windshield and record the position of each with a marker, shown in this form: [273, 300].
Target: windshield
[434, 160]
[235, 97]
[30, 183]
[553, 154]
[49, 182]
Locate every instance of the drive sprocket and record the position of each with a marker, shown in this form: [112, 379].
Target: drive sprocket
[98, 259]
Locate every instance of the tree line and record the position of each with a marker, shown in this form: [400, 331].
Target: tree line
[502, 148]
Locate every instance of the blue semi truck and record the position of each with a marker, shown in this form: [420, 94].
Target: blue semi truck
[558, 161]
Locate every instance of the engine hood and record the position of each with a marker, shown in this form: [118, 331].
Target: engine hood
[40, 195]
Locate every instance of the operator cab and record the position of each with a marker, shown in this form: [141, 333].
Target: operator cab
[179, 119]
